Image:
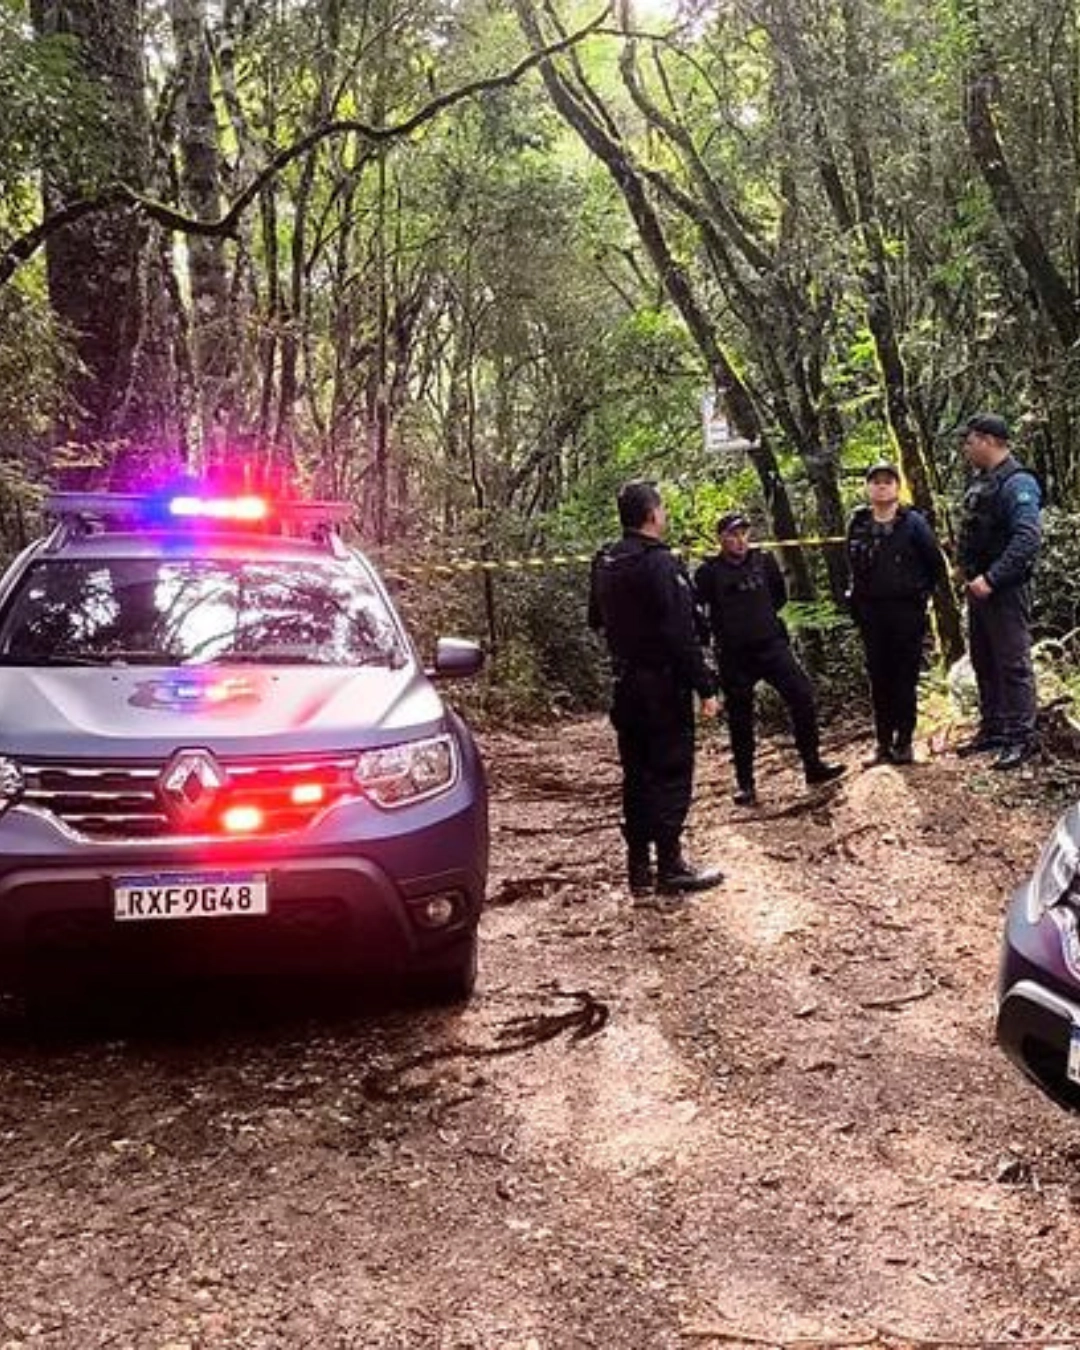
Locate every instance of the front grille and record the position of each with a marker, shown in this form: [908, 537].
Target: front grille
[116, 800]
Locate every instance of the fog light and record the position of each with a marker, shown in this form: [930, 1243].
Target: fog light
[242, 819]
[437, 911]
[11, 781]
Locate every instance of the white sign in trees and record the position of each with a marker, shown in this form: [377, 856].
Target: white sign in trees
[721, 438]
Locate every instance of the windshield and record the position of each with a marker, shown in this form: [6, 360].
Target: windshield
[186, 611]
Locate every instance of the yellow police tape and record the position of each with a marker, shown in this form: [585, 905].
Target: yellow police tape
[540, 562]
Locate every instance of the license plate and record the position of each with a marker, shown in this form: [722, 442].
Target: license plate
[182, 895]
[1072, 1069]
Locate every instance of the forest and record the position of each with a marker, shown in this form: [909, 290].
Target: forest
[470, 264]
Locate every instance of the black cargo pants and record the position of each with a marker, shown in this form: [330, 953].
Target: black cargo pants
[999, 638]
[741, 670]
[893, 633]
[653, 716]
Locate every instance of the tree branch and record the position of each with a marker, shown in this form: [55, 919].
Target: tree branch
[989, 154]
[120, 194]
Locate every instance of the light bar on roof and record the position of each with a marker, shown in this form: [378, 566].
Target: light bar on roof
[96, 505]
[247, 508]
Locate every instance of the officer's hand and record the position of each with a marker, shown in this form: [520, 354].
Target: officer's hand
[710, 707]
[980, 589]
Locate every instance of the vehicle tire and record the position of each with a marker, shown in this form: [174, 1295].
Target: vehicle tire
[453, 983]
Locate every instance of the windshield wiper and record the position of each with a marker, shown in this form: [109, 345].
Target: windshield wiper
[267, 658]
[392, 660]
[138, 658]
[53, 659]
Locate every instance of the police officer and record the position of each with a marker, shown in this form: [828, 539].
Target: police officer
[743, 591]
[641, 597]
[1000, 536]
[895, 564]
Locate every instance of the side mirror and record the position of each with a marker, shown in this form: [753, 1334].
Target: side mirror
[456, 659]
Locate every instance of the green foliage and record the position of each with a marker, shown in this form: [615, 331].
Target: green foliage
[543, 661]
[815, 616]
[53, 116]
[1057, 599]
[1057, 667]
[32, 364]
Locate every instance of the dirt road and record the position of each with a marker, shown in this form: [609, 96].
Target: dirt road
[777, 1113]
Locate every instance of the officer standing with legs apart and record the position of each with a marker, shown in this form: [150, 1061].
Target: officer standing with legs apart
[641, 597]
[1000, 537]
[743, 591]
[896, 564]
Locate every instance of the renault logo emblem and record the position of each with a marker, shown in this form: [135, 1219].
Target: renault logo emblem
[190, 785]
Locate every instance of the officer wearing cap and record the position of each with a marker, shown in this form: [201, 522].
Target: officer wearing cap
[743, 592]
[896, 564]
[998, 546]
[641, 597]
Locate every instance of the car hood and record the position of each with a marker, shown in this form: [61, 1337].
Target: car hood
[138, 711]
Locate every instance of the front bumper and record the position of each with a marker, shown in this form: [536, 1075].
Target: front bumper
[1035, 1029]
[1039, 1002]
[350, 902]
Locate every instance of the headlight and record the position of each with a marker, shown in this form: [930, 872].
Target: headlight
[11, 781]
[1058, 867]
[400, 774]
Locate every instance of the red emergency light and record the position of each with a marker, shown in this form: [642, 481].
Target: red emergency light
[248, 508]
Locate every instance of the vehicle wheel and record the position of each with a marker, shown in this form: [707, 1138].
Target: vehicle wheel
[451, 984]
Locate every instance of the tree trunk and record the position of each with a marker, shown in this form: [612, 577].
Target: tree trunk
[857, 217]
[201, 183]
[93, 266]
[597, 135]
[880, 317]
[980, 116]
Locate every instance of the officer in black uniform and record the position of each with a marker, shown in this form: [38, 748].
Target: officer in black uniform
[896, 564]
[1000, 537]
[641, 597]
[743, 592]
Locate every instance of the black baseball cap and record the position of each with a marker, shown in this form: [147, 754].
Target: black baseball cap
[732, 520]
[883, 466]
[987, 424]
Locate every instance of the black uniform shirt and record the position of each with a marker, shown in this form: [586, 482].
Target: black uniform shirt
[743, 599]
[892, 560]
[640, 595]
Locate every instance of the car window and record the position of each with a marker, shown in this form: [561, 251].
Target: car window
[198, 611]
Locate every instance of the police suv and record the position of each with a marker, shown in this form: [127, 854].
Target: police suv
[220, 753]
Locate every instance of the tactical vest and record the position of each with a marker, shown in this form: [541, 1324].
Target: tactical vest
[885, 565]
[629, 600]
[984, 524]
[740, 604]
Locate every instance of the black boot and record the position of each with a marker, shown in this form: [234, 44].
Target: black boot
[639, 872]
[903, 751]
[980, 744]
[819, 772]
[640, 876]
[676, 876]
[1014, 753]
